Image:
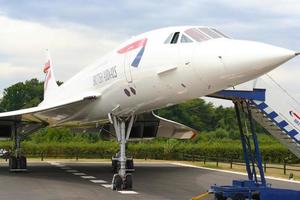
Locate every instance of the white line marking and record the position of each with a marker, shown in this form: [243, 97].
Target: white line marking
[66, 168]
[56, 164]
[72, 170]
[231, 172]
[88, 177]
[79, 174]
[107, 185]
[127, 192]
[53, 163]
[98, 181]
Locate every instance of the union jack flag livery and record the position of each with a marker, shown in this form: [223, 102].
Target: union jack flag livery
[137, 44]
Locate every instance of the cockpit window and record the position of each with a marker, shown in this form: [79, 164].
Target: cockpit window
[210, 32]
[203, 34]
[172, 38]
[215, 30]
[185, 39]
[196, 34]
[167, 41]
[175, 38]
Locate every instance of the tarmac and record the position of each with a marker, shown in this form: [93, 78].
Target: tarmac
[89, 181]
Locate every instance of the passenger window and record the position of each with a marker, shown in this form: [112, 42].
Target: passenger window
[175, 38]
[185, 39]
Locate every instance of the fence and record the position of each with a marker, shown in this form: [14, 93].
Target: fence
[285, 165]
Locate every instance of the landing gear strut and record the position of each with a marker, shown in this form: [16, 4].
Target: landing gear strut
[122, 179]
[17, 162]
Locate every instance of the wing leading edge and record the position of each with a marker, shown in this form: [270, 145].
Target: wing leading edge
[49, 114]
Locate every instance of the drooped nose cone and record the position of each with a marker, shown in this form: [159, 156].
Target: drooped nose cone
[251, 59]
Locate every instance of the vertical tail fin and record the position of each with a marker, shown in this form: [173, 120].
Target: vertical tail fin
[50, 84]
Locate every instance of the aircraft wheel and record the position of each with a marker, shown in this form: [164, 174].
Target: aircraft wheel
[128, 182]
[117, 182]
[12, 162]
[114, 164]
[23, 162]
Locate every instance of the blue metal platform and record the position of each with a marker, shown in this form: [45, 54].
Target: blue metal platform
[256, 186]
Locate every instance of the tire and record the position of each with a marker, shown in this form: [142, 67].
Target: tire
[117, 182]
[219, 196]
[238, 196]
[114, 164]
[128, 182]
[129, 164]
[22, 162]
[256, 196]
[13, 162]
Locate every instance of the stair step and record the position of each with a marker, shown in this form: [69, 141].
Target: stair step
[273, 128]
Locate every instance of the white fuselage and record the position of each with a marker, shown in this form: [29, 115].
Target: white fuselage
[167, 73]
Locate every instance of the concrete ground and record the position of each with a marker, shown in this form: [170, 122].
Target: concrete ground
[75, 180]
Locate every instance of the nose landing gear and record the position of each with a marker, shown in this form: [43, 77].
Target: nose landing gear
[122, 180]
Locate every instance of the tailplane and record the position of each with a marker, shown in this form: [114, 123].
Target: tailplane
[50, 85]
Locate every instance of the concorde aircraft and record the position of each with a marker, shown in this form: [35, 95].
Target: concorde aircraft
[152, 70]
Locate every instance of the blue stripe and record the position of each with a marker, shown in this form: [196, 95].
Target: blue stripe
[282, 124]
[262, 106]
[272, 115]
[136, 61]
[293, 133]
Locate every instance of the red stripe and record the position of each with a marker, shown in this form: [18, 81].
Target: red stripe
[296, 115]
[47, 66]
[134, 45]
[47, 80]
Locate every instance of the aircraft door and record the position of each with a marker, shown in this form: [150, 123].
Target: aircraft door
[127, 66]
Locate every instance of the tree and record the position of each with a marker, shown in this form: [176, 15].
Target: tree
[22, 95]
[195, 113]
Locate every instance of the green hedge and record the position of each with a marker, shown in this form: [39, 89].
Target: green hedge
[172, 149]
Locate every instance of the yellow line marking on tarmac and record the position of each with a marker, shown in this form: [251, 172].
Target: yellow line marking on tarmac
[201, 196]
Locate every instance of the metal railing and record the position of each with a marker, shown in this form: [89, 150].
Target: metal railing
[284, 166]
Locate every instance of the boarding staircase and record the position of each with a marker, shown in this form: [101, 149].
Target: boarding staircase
[272, 107]
[265, 101]
[277, 126]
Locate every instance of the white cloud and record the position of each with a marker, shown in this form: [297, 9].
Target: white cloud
[288, 77]
[8, 70]
[72, 47]
[286, 7]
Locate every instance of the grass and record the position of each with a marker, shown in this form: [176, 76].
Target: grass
[278, 173]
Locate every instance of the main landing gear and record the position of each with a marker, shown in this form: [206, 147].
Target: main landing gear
[17, 162]
[122, 179]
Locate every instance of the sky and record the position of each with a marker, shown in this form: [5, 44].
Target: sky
[78, 32]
